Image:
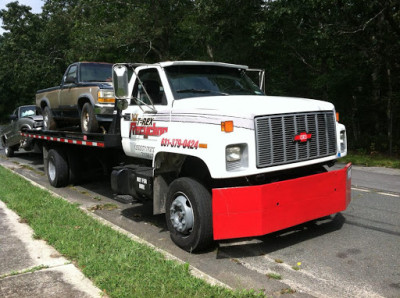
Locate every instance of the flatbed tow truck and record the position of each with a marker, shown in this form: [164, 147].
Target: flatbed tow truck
[211, 151]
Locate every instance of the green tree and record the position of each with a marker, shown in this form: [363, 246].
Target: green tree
[18, 58]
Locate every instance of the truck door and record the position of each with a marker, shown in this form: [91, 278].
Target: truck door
[67, 100]
[141, 125]
[13, 133]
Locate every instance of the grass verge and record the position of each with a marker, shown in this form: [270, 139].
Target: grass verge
[274, 276]
[371, 160]
[119, 266]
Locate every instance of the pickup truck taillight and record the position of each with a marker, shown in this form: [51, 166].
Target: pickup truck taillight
[105, 96]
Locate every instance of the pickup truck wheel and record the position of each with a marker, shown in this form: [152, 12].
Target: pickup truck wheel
[88, 119]
[57, 168]
[189, 214]
[48, 120]
[9, 151]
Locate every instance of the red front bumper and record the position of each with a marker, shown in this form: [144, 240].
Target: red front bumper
[259, 210]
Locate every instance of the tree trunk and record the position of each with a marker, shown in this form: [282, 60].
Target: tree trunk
[389, 110]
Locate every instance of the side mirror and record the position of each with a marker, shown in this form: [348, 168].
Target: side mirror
[120, 81]
[13, 117]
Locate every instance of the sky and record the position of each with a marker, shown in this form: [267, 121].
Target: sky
[35, 4]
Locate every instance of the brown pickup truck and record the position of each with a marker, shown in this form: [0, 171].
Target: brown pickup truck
[85, 96]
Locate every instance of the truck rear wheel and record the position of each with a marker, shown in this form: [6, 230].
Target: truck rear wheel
[88, 119]
[189, 214]
[48, 120]
[57, 168]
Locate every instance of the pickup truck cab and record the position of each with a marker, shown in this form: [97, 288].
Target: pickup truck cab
[23, 118]
[85, 96]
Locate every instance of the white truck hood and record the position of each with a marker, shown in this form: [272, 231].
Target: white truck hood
[248, 106]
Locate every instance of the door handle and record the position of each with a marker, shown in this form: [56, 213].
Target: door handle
[127, 117]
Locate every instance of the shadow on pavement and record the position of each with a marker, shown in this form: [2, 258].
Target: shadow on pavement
[281, 239]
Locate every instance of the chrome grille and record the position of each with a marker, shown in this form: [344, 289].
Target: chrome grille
[275, 137]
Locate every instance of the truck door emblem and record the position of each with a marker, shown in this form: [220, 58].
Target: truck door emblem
[146, 130]
[302, 137]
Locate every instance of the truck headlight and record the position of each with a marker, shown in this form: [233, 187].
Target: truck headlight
[236, 157]
[105, 96]
[233, 153]
[342, 140]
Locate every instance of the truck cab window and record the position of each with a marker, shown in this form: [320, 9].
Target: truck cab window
[151, 83]
[15, 113]
[96, 72]
[72, 73]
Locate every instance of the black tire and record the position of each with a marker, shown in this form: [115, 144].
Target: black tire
[48, 119]
[197, 235]
[9, 151]
[88, 119]
[75, 166]
[57, 168]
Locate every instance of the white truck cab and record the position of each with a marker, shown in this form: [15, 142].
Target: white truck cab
[206, 131]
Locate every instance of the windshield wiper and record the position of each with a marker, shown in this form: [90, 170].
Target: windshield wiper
[199, 91]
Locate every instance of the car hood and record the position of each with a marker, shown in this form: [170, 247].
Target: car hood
[36, 117]
[248, 106]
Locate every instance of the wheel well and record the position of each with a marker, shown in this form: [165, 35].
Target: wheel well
[168, 167]
[196, 168]
[25, 127]
[182, 166]
[81, 102]
[43, 104]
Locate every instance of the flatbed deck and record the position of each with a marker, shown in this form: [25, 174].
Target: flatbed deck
[76, 138]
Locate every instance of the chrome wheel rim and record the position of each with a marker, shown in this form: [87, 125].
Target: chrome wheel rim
[45, 121]
[181, 214]
[85, 122]
[51, 170]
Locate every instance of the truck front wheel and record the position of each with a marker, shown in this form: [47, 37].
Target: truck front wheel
[88, 119]
[189, 214]
[57, 168]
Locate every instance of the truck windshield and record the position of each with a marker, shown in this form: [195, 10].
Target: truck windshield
[96, 72]
[27, 111]
[205, 80]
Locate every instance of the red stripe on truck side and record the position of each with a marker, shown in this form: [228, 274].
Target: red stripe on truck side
[65, 140]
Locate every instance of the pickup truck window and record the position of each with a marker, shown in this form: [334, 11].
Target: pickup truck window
[72, 72]
[96, 72]
[199, 80]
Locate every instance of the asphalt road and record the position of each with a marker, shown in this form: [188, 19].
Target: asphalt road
[355, 253]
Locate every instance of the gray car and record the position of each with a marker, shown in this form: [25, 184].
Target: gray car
[23, 118]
